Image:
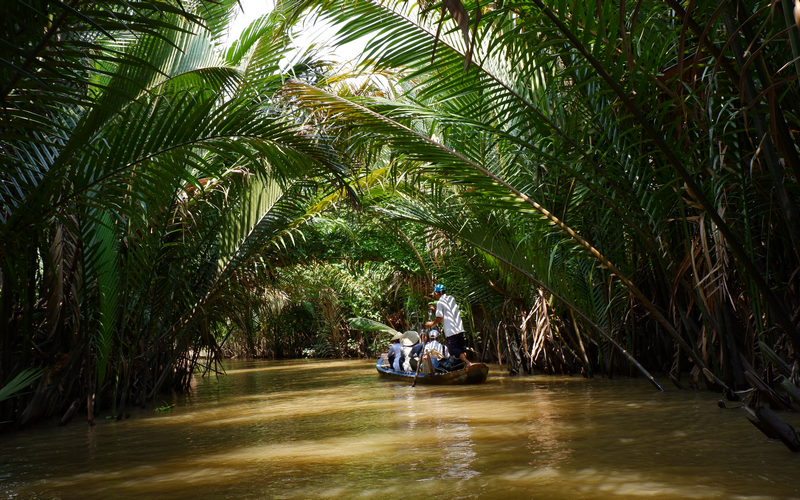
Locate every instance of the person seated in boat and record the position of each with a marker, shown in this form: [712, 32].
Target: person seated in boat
[395, 352]
[435, 349]
[430, 346]
[416, 351]
[407, 344]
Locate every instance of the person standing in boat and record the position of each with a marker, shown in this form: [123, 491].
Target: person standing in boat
[449, 315]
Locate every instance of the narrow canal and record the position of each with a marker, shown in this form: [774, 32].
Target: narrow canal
[334, 429]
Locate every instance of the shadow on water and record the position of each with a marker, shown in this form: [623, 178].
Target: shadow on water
[334, 429]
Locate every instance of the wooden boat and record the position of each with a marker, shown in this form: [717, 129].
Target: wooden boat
[474, 374]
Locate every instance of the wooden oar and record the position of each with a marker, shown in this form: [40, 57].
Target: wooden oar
[422, 357]
[419, 366]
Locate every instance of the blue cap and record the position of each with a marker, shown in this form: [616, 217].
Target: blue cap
[438, 288]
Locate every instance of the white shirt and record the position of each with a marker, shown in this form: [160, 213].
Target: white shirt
[447, 309]
[397, 349]
[407, 361]
[435, 345]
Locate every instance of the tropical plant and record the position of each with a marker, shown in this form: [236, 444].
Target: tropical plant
[653, 138]
[142, 170]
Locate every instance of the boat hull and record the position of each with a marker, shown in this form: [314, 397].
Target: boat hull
[474, 374]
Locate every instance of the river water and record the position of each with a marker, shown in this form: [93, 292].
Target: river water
[334, 429]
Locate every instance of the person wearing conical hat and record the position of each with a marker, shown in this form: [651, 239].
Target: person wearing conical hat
[407, 344]
[395, 352]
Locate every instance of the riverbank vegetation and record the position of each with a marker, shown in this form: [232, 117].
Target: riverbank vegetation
[607, 189]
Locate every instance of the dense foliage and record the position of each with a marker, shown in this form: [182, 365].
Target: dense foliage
[144, 170]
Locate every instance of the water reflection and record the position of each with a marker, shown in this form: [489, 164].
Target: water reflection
[455, 446]
[332, 429]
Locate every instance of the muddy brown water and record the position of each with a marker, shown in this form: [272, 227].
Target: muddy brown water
[334, 429]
